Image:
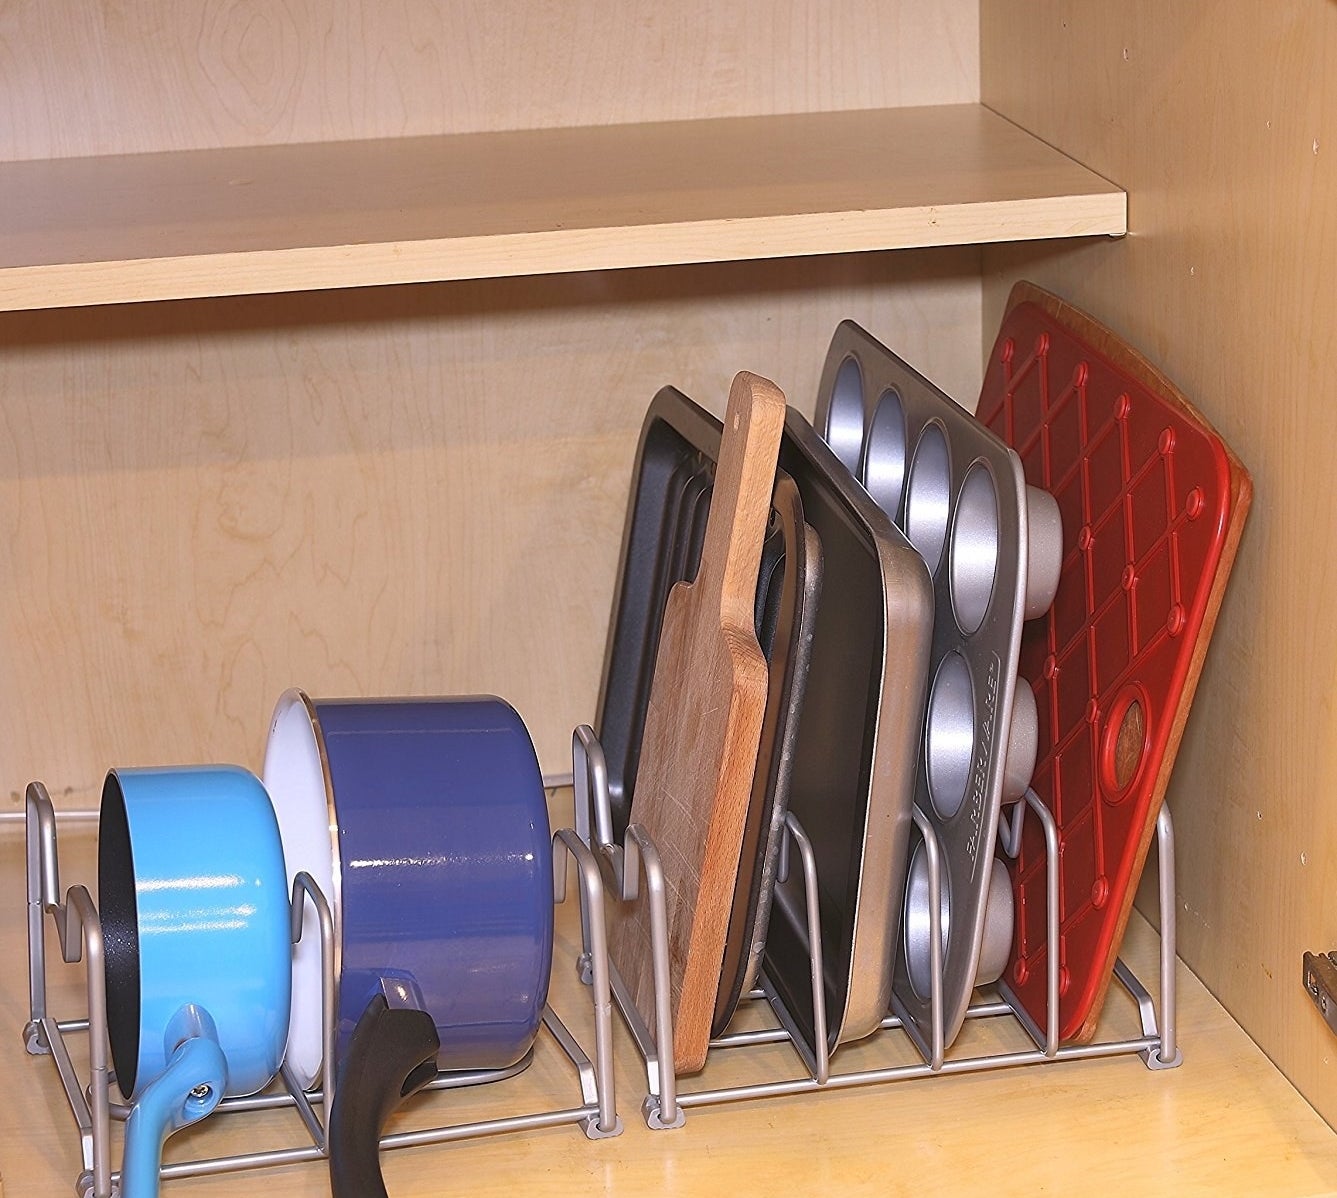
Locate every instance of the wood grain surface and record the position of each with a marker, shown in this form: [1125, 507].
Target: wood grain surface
[408, 490]
[79, 79]
[480, 205]
[702, 729]
[414, 490]
[1225, 283]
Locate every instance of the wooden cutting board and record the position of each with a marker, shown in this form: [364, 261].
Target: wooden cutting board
[702, 730]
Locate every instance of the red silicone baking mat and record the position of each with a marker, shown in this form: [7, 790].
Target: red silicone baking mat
[1153, 503]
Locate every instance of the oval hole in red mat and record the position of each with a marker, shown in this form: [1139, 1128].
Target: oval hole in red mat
[1123, 744]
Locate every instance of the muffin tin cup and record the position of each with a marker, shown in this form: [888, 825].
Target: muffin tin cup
[1044, 551]
[1023, 743]
[958, 493]
[999, 914]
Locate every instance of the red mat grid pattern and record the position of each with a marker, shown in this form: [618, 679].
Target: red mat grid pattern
[1144, 496]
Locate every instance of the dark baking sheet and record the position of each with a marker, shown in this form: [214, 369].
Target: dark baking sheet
[666, 517]
[854, 759]
[786, 616]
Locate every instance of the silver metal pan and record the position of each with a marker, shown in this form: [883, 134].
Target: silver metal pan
[993, 547]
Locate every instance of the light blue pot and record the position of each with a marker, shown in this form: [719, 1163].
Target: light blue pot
[193, 897]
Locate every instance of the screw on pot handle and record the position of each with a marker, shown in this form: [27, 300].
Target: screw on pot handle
[189, 1088]
[392, 1054]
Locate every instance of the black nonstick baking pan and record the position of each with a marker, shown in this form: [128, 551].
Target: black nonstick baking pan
[853, 779]
[662, 539]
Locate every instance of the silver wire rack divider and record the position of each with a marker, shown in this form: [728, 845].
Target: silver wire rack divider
[635, 864]
[79, 933]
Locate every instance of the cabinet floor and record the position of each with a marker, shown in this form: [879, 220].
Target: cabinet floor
[1225, 1122]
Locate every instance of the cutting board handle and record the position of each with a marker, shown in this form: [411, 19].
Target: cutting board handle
[744, 478]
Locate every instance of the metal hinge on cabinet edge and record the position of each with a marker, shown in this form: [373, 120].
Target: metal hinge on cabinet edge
[1321, 983]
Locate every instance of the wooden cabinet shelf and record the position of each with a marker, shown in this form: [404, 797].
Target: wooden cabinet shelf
[302, 217]
[415, 491]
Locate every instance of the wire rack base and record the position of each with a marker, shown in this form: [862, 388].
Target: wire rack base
[78, 930]
[633, 868]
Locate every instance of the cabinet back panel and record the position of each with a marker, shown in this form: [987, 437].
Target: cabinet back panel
[400, 490]
[78, 78]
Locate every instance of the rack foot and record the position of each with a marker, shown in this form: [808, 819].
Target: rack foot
[34, 1040]
[1153, 1059]
[85, 1187]
[590, 1126]
[653, 1119]
[585, 969]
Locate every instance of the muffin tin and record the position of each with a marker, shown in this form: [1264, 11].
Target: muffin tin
[994, 547]
[1155, 503]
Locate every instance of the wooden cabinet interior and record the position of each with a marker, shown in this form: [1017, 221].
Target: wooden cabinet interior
[420, 489]
[391, 490]
[384, 491]
[155, 76]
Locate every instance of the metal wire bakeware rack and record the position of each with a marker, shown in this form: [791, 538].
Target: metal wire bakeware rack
[78, 929]
[633, 869]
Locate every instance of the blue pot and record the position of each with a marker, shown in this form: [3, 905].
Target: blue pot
[426, 823]
[193, 898]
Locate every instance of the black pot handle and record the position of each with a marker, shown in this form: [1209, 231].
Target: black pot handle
[392, 1055]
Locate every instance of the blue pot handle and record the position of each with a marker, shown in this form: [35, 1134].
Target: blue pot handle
[188, 1089]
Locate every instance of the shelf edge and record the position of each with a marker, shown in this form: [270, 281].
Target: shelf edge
[316, 268]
